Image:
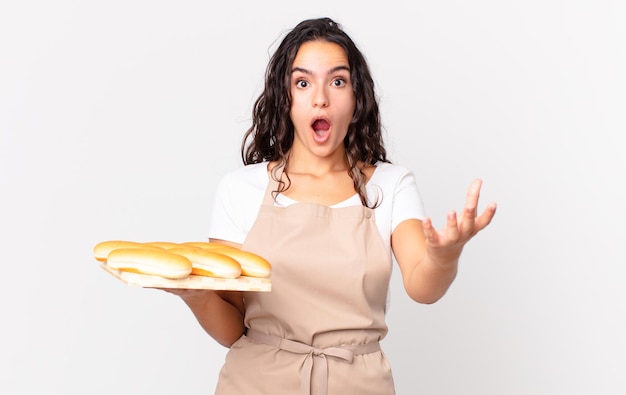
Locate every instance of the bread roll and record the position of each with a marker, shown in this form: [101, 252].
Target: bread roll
[102, 249]
[252, 264]
[209, 263]
[156, 262]
[166, 245]
[206, 245]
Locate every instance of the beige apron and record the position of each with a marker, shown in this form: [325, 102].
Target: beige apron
[317, 331]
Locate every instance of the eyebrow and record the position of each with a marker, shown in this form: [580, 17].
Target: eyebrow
[331, 71]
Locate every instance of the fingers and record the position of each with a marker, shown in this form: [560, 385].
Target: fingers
[460, 230]
[474, 222]
[470, 211]
[470, 223]
[429, 231]
[486, 217]
[471, 207]
[450, 233]
[472, 196]
[452, 227]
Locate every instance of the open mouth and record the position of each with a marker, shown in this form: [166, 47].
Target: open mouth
[321, 130]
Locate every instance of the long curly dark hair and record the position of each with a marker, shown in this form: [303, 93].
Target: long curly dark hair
[272, 132]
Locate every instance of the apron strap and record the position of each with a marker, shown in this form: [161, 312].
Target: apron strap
[272, 185]
[313, 355]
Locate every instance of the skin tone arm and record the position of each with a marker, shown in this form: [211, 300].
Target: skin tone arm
[220, 313]
[428, 259]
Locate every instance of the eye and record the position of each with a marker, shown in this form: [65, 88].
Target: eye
[302, 84]
[339, 82]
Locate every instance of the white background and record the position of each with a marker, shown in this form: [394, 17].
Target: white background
[117, 118]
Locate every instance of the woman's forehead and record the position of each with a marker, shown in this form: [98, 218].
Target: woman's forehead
[320, 54]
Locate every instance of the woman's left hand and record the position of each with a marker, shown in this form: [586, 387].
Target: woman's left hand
[447, 244]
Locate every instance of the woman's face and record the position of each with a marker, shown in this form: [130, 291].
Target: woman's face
[322, 100]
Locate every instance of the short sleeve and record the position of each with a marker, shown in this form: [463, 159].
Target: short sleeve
[225, 222]
[237, 199]
[407, 202]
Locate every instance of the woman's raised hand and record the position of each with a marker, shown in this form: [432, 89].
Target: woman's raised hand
[447, 243]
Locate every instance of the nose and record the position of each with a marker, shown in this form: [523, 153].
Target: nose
[320, 97]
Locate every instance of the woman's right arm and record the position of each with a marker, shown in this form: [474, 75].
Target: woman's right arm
[220, 313]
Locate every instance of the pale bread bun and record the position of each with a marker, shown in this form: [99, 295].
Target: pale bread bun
[102, 249]
[156, 262]
[163, 244]
[209, 263]
[252, 265]
[206, 245]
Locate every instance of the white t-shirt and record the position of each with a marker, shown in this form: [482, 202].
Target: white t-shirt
[240, 194]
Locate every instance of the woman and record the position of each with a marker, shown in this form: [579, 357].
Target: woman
[319, 199]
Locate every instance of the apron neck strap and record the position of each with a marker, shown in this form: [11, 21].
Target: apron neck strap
[275, 174]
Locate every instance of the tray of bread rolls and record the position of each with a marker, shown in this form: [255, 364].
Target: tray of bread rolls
[186, 265]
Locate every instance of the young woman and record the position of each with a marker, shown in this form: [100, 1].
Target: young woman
[319, 199]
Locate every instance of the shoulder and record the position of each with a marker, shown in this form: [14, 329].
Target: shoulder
[390, 175]
[396, 188]
[237, 200]
[252, 176]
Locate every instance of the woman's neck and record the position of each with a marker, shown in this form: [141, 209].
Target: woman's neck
[306, 163]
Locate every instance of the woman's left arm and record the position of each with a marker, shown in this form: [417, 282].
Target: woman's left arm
[428, 258]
